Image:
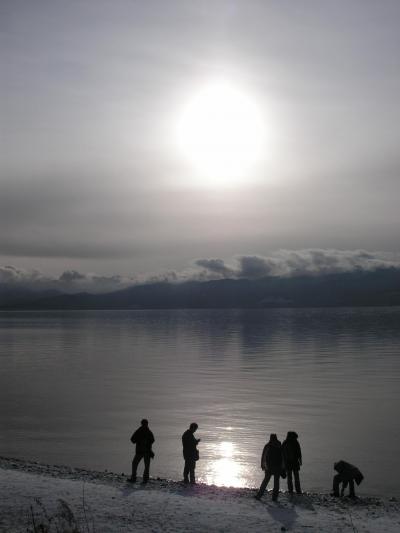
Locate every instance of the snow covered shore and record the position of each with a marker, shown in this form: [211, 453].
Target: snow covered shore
[67, 499]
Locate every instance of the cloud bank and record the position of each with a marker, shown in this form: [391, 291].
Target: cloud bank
[69, 281]
[308, 262]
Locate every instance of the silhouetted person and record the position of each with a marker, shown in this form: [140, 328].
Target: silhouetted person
[271, 463]
[143, 438]
[291, 452]
[346, 474]
[190, 453]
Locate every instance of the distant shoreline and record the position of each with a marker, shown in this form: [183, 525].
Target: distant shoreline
[137, 309]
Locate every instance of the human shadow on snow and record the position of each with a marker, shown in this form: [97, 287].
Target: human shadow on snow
[287, 516]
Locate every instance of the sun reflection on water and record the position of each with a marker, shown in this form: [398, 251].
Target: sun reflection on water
[224, 470]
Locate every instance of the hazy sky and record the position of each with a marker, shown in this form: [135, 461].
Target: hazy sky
[93, 179]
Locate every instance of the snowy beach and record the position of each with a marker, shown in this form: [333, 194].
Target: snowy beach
[63, 498]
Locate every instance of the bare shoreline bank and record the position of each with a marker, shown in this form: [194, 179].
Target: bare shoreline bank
[167, 505]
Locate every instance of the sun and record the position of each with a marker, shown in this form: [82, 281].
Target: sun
[221, 133]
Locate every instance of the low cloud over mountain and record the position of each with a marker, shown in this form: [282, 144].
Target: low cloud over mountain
[298, 263]
[283, 263]
[69, 281]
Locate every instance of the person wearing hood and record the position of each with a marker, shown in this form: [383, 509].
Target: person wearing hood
[291, 452]
[271, 463]
[346, 474]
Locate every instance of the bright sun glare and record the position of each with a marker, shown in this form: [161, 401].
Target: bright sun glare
[221, 133]
[225, 469]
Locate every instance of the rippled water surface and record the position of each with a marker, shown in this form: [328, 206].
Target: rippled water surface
[74, 385]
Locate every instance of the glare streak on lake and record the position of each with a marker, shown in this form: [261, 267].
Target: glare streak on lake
[74, 386]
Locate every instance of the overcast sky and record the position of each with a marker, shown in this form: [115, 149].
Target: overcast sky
[92, 180]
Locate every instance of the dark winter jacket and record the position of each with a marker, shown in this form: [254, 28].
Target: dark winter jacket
[143, 438]
[189, 443]
[348, 472]
[291, 452]
[271, 458]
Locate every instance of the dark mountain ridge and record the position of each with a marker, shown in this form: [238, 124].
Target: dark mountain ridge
[358, 288]
[13, 296]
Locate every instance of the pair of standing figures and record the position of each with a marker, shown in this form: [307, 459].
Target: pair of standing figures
[281, 460]
[144, 439]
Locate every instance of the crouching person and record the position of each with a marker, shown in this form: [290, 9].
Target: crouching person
[347, 474]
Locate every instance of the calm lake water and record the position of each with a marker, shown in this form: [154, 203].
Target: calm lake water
[74, 386]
